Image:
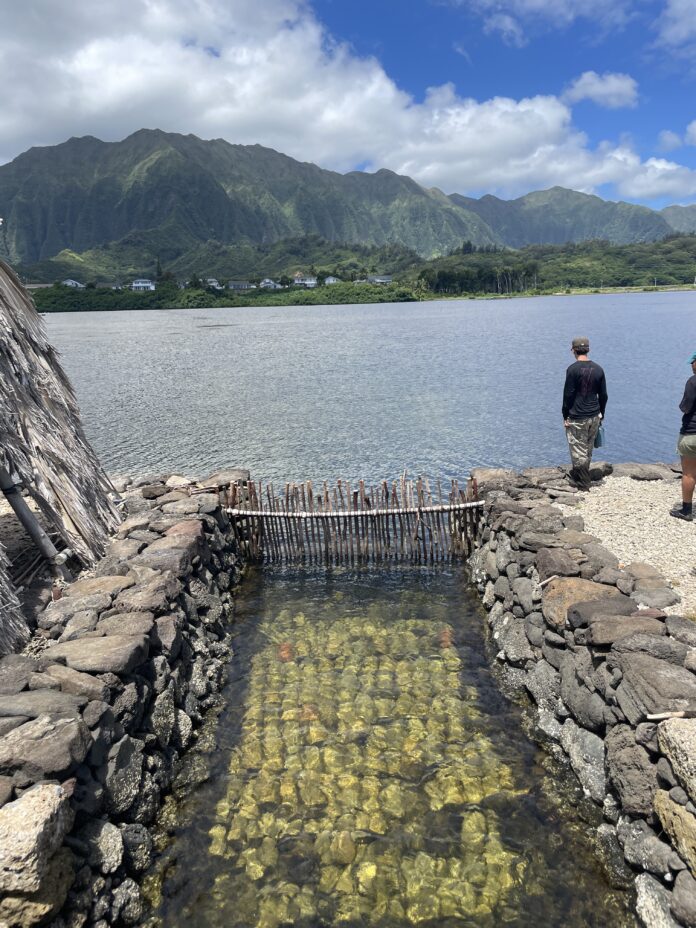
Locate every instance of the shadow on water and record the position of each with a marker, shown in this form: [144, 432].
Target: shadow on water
[367, 771]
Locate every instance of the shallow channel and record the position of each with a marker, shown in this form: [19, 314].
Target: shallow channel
[368, 771]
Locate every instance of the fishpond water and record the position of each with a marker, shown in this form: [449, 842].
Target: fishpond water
[320, 392]
[369, 773]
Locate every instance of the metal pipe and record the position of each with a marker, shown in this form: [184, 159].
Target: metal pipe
[32, 526]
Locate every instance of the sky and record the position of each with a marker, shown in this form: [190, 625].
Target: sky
[471, 96]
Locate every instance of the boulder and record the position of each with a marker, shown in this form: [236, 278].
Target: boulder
[14, 673]
[173, 552]
[116, 654]
[123, 774]
[134, 523]
[650, 686]
[587, 707]
[630, 771]
[684, 899]
[660, 646]
[556, 562]
[223, 478]
[585, 751]
[32, 829]
[104, 845]
[137, 846]
[606, 629]
[110, 586]
[78, 684]
[535, 541]
[33, 703]
[643, 471]
[680, 825]
[653, 903]
[641, 571]
[23, 910]
[64, 609]
[163, 716]
[167, 635]
[513, 641]
[599, 556]
[544, 685]
[677, 740]
[45, 747]
[560, 595]
[191, 528]
[682, 629]
[658, 598]
[642, 848]
[127, 623]
[155, 595]
[581, 614]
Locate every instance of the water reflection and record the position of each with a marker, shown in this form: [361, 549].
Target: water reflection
[370, 774]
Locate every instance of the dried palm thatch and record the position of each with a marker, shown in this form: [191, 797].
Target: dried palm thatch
[41, 438]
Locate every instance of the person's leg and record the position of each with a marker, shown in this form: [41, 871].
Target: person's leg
[687, 449]
[592, 429]
[577, 433]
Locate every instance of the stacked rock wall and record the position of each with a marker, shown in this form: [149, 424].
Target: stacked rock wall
[95, 721]
[582, 635]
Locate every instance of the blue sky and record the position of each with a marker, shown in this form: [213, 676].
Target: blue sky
[472, 96]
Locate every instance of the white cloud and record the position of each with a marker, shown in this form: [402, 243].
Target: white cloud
[541, 14]
[677, 26]
[269, 73]
[510, 30]
[669, 141]
[690, 134]
[609, 89]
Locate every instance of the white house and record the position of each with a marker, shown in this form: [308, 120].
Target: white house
[142, 284]
[302, 280]
[332, 280]
[268, 284]
[239, 285]
[379, 279]
[73, 283]
[212, 283]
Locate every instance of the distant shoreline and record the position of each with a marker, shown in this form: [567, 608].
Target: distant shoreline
[405, 295]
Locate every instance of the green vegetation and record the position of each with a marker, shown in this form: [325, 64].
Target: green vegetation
[550, 268]
[169, 296]
[307, 253]
[470, 270]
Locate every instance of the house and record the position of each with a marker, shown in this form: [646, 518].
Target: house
[332, 280]
[302, 280]
[142, 284]
[379, 279]
[239, 285]
[73, 283]
[268, 284]
[213, 284]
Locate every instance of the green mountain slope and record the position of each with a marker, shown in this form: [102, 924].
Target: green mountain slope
[558, 215]
[182, 191]
[680, 218]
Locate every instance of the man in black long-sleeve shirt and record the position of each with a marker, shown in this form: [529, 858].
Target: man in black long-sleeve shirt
[584, 402]
[686, 448]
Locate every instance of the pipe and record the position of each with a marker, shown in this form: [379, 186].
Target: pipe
[32, 526]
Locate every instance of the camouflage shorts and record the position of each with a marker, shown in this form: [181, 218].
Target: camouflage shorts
[581, 435]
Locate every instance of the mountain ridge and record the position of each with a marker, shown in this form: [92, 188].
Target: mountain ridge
[178, 193]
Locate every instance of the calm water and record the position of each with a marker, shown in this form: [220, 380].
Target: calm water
[366, 391]
[369, 773]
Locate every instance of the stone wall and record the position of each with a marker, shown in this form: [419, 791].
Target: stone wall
[598, 648]
[96, 718]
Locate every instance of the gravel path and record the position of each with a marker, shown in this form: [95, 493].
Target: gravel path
[631, 518]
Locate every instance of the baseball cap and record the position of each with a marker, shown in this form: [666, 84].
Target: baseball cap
[692, 358]
[579, 343]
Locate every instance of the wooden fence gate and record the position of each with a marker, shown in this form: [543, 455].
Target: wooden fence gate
[342, 525]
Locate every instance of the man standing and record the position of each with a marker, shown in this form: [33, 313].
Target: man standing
[687, 447]
[584, 402]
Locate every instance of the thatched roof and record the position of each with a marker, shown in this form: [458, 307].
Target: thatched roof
[41, 438]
